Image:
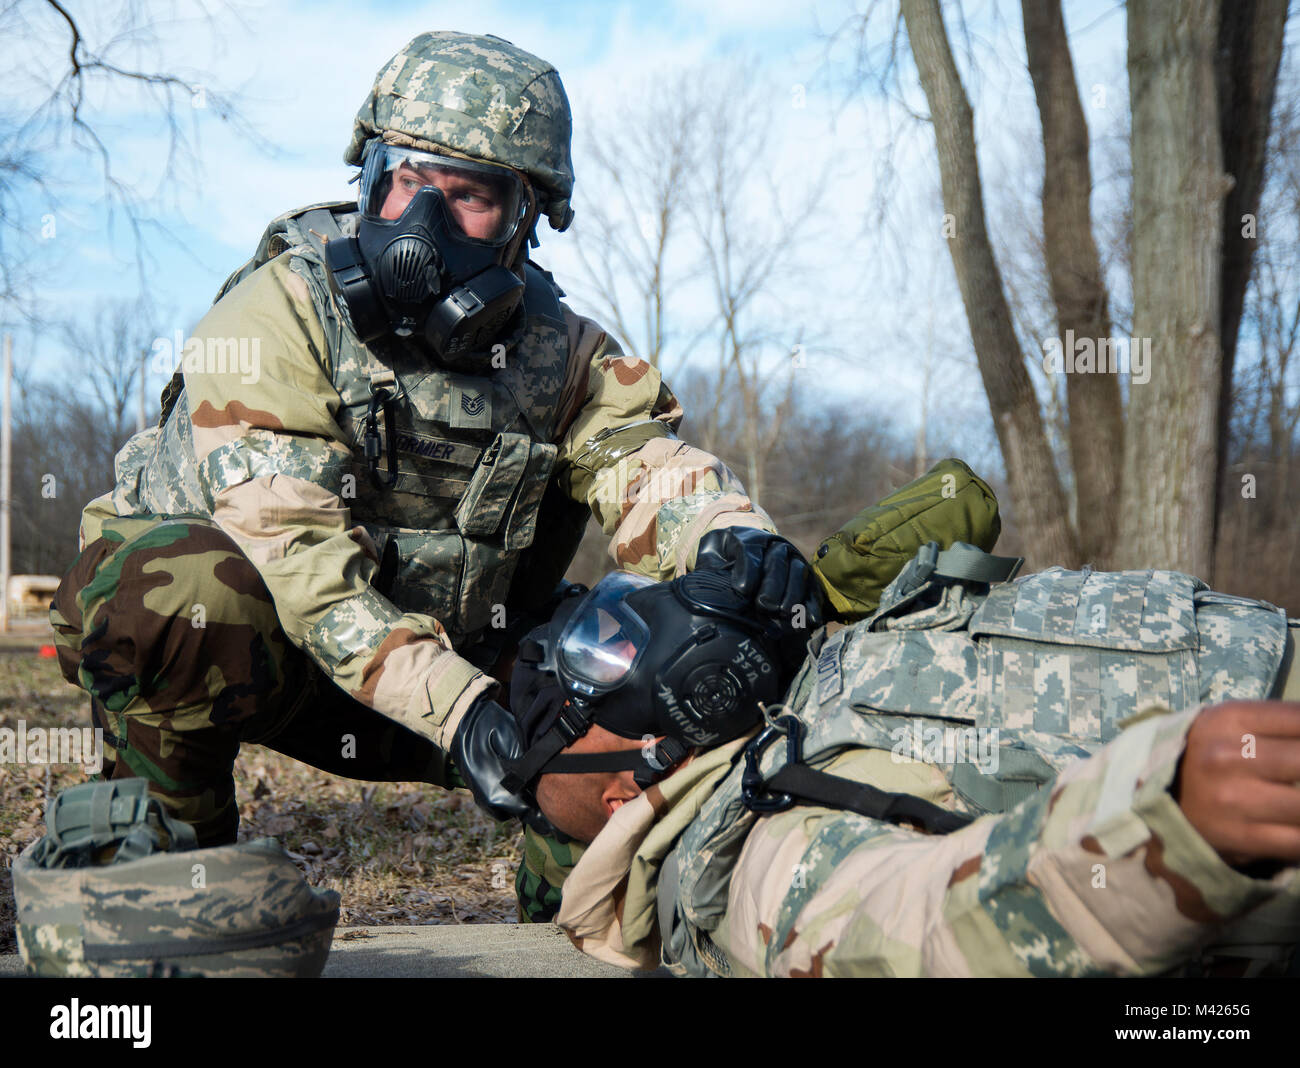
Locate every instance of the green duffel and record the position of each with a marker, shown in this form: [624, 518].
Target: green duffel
[116, 889]
[947, 505]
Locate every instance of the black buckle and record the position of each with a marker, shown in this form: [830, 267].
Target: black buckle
[919, 569]
[753, 786]
[659, 763]
[572, 722]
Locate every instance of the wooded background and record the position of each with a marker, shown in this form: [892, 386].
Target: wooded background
[1199, 252]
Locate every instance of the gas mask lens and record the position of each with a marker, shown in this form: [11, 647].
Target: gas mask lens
[485, 203]
[602, 640]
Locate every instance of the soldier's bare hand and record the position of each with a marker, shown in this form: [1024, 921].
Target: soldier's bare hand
[1239, 780]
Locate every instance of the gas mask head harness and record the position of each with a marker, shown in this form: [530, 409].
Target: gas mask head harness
[679, 660]
[431, 259]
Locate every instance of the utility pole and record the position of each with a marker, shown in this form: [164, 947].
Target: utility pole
[6, 482]
[139, 412]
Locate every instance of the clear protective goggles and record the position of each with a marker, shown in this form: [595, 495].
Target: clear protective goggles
[604, 638]
[486, 203]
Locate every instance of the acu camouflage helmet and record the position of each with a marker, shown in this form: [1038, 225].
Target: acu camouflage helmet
[480, 97]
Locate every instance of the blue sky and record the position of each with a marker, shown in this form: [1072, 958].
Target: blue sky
[302, 69]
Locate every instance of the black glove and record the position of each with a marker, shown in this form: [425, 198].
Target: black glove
[768, 571]
[486, 741]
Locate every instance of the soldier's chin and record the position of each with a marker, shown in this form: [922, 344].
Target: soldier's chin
[582, 827]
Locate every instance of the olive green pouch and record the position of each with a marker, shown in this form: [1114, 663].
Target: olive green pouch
[948, 504]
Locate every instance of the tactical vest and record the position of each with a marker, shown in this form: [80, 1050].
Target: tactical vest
[1056, 662]
[474, 453]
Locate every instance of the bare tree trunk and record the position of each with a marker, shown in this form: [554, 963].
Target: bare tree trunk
[1171, 444]
[1035, 486]
[1250, 51]
[921, 461]
[1093, 402]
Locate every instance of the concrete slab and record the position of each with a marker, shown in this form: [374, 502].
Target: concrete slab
[515, 950]
[504, 950]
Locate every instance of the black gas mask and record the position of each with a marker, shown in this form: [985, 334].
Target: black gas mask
[684, 660]
[428, 261]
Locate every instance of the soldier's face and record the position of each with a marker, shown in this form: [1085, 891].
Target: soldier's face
[580, 805]
[475, 204]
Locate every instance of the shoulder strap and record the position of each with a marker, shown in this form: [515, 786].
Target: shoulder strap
[931, 567]
[796, 781]
[320, 227]
[820, 788]
[666, 902]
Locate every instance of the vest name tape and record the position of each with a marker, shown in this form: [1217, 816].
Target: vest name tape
[436, 448]
[830, 679]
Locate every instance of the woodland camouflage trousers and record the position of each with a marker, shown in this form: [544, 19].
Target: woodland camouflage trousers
[173, 634]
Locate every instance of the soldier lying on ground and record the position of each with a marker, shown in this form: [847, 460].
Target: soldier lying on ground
[1077, 773]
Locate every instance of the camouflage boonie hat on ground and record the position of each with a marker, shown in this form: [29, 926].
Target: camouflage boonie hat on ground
[481, 97]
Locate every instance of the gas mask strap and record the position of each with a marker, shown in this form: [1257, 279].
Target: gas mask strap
[649, 763]
[572, 724]
[581, 763]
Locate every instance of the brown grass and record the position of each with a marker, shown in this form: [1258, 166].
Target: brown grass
[397, 853]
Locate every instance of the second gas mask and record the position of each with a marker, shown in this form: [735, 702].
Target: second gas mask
[684, 660]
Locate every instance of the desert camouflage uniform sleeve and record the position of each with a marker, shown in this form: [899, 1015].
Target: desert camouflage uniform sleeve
[1100, 874]
[271, 461]
[655, 495]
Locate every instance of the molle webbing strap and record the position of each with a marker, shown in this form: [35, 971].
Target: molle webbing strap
[1021, 774]
[86, 818]
[967, 563]
[818, 787]
[933, 566]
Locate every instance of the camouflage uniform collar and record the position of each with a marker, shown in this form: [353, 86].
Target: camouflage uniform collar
[609, 898]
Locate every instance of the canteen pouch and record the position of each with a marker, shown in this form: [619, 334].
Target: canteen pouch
[948, 504]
